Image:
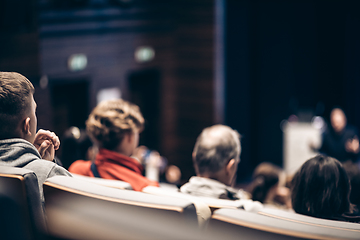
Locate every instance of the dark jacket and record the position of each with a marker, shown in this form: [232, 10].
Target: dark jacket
[333, 144]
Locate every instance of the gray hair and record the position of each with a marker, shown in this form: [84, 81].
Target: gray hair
[215, 147]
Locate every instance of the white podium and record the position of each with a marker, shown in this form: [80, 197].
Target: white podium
[296, 144]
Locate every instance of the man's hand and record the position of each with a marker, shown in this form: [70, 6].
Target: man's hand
[46, 143]
[352, 145]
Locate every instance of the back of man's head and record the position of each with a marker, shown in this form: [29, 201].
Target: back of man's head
[15, 100]
[214, 148]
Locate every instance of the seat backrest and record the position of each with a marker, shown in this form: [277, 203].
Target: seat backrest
[202, 209]
[295, 217]
[20, 187]
[233, 223]
[13, 224]
[78, 209]
[213, 203]
[105, 182]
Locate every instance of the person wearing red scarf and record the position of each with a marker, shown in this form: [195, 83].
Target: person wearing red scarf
[114, 126]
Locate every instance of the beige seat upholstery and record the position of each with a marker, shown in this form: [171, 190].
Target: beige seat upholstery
[78, 209]
[202, 209]
[105, 182]
[295, 217]
[237, 223]
[213, 203]
[20, 186]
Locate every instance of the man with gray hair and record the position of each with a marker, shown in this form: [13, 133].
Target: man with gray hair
[216, 156]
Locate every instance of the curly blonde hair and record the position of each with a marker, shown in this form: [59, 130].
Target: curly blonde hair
[111, 120]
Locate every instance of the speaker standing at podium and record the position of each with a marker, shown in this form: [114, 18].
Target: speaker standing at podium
[340, 140]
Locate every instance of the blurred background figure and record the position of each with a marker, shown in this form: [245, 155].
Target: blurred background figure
[269, 186]
[152, 161]
[156, 166]
[76, 145]
[354, 176]
[172, 175]
[340, 140]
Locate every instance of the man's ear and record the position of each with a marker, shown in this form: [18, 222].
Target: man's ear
[230, 165]
[194, 164]
[26, 126]
[196, 169]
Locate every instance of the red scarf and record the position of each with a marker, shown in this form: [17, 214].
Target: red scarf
[113, 165]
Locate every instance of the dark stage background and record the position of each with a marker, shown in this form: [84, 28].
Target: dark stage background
[288, 57]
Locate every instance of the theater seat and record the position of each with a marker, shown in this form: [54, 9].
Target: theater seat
[295, 217]
[12, 223]
[237, 223]
[202, 209]
[20, 191]
[105, 182]
[78, 209]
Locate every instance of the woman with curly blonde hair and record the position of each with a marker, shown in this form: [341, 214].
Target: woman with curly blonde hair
[114, 126]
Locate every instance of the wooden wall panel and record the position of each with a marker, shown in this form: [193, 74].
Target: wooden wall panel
[19, 52]
[195, 76]
[182, 34]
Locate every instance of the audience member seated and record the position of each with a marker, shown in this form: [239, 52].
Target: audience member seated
[216, 156]
[157, 168]
[321, 188]
[268, 186]
[172, 175]
[114, 126]
[353, 172]
[20, 144]
[76, 145]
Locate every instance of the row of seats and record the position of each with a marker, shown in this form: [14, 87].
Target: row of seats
[80, 208]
